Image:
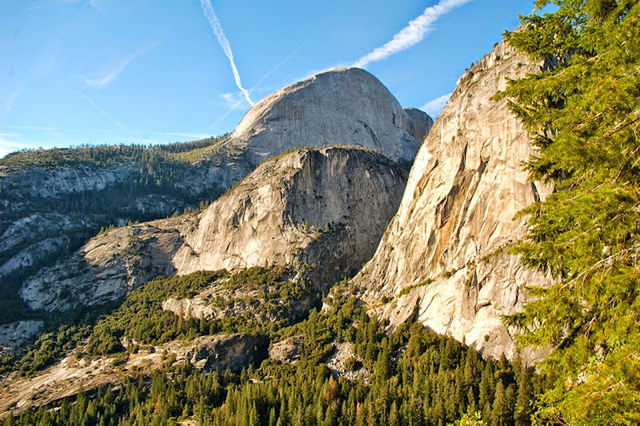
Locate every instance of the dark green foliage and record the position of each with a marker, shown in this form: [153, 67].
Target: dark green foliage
[100, 155]
[584, 113]
[418, 378]
[140, 317]
[159, 171]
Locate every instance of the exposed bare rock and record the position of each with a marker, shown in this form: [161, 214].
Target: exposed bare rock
[108, 266]
[14, 336]
[338, 363]
[325, 208]
[441, 260]
[321, 210]
[340, 106]
[419, 123]
[345, 106]
[287, 350]
[233, 351]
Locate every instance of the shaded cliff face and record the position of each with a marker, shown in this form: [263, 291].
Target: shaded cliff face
[345, 106]
[53, 201]
[325, 207]
[441, 260]
[322, 211]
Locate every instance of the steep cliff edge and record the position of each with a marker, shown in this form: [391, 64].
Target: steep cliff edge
[53, 201]
[341, 106]
[322, 211]
[441, 260]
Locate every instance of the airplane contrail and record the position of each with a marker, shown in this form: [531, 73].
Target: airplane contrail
[224, 43]
[434, 106]
[100, 109]
[412, 33]
[271, 71]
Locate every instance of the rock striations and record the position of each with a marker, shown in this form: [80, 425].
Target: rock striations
[325, 207]
[341, 106]
[345, 106]
[322, 211]
[442, 259]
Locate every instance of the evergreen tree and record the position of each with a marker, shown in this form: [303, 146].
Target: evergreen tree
[500, 409]
[524, 402]
[584, 113]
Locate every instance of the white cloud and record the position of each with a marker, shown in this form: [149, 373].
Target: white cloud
[117, 68]
[100, 110]
[98, 5]
[433, 107]
[34, 127]
[411, 34]
[7, 146]
[111, 74]
[224, 43]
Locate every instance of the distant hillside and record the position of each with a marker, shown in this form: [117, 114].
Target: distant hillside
[52, 201]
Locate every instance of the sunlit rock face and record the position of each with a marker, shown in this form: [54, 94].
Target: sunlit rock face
[441, 260]
[321, 211]
[346, 106]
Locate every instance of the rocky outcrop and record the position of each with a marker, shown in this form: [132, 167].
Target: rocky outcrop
[325, 208]
[233, 351]
[443, 260]
[346, 106]
[53, 201]
[287, 350]
[108, 266]
[419, 123]
[322, 211]
[14, 336]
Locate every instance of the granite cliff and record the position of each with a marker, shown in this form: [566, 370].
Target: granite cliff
[346, 106]
[53, 201]
[444, 259]
[322, 211]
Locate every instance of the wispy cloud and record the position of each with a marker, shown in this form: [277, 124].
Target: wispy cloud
[8, 104]
[433, 107]
[116, 69]
[7, 146]
[98, 5]
[178, 134]
[230, 98]
[224, 43]
[100, 110]
[33, 127]
[412, 33]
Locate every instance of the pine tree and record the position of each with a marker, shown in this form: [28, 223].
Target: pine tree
[525, 399]
[500, 409]
[394, 416]
[583, 111]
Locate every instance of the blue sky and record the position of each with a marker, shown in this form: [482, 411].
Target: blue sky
[142, 71]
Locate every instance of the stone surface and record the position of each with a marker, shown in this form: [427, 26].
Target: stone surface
[325, 208]
[419, 123]
[107, 266]
[14, 336]
[322, 211]
[347, 106]
[441, 260]
[233, 351]
[287, 350]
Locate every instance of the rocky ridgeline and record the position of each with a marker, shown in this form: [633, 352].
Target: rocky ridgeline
[52, 207]
[322, 211]
[444, 259]
[346, 106]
